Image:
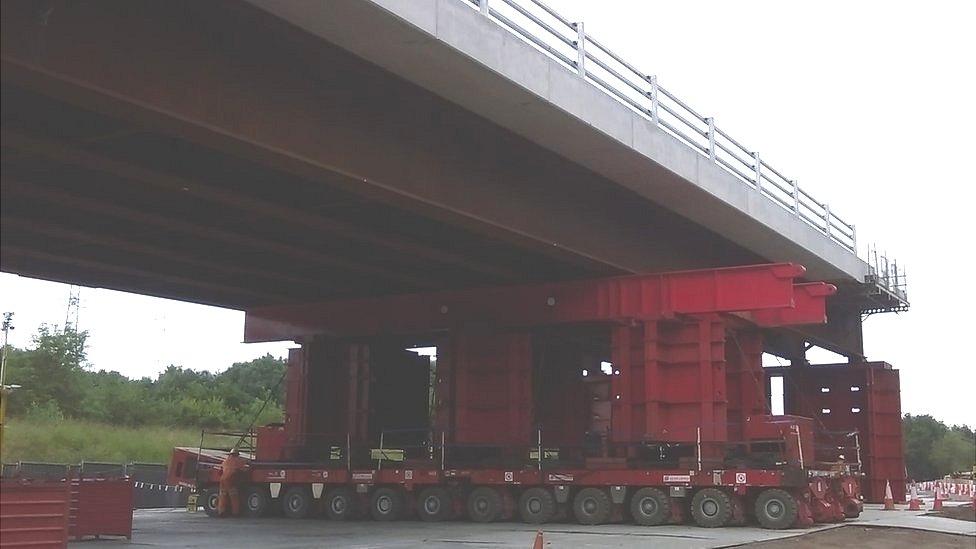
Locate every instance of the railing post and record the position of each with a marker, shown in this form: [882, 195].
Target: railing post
[711, 137]
[580, 49]
[652, 80]
[755, 158]
[796, 197]
[854, 238]
[827, 219]
[483, 6]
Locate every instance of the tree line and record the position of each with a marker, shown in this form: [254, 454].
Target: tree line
[934, 449]
[57, 382]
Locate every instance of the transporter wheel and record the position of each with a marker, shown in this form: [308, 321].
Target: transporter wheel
[537, 505]
[386, 504]
[711, 508]
[208, 500]
[435, 504]
[776, 509]
[341, 504]
[256, 501]
[591, 506]
[650, 507]
[484, 504]
[297, 502]
[851, 509]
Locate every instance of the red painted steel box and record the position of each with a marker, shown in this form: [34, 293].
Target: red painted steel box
[100, 507]
[34, 514]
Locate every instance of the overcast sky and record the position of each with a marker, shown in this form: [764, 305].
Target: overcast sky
[868, 104]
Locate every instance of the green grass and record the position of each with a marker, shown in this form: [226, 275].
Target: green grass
[73, 441]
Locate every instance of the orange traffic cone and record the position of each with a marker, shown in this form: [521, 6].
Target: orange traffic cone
[889, 501]
[914, 504]
[539, 544]
[937, 504]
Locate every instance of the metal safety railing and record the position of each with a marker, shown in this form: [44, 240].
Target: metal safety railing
[567, 42]
[887, 274]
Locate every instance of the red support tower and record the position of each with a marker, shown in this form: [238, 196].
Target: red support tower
[848, 398]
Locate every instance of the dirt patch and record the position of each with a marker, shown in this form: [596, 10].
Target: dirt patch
[958, 512]
[862, 537]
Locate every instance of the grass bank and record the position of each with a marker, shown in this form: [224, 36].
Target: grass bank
[73, 441]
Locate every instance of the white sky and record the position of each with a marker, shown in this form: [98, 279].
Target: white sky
[868, 104]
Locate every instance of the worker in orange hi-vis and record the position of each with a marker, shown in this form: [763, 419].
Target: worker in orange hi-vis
[231, 469]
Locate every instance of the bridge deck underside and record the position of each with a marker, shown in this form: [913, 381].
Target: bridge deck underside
[207, 152]
[90, 199]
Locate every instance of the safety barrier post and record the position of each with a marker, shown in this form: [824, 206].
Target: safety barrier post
[652, 80]
[580, 49]
[827, 219]
[711, 137]
[755, 158]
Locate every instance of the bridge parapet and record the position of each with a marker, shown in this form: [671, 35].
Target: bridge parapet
[567, 42]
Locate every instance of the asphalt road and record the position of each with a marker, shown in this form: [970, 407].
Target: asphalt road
[178, 528]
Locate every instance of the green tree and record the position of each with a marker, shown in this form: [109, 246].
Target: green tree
[56, 384]
[953, 453]
[933, 450]
[50, 371]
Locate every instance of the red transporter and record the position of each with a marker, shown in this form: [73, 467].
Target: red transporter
[638, 396]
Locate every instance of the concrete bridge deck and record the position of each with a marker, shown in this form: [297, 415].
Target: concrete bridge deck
[269, 152]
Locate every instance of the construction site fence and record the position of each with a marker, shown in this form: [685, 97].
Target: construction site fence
[150, 490]
[952, 489]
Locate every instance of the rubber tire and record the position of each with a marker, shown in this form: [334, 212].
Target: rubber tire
[592, 506]
[296, 502]
[711, 508]
[208, 500]
[435, 504]
[347, 509]
[484, 504]
[537, 506]
[851, 509]
[650, 507]
[393, 498]
[255, 501]
[786, 503]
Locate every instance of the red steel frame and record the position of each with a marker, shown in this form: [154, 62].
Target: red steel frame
[686, 349]
[668, 330]
[729, 290]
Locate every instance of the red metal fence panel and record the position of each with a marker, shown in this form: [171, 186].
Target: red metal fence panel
[34, 514]
[100, 507]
